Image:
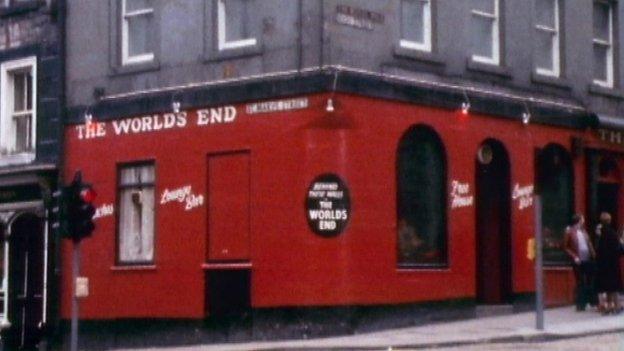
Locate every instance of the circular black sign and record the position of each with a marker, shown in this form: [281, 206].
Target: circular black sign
[328, 206]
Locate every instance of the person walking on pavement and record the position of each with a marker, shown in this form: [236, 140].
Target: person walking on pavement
[580, 249]
[608, 276]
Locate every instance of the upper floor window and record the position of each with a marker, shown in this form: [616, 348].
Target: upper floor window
[233, 24]
[137, 39]
[546, 49]
[14, 2]
[416, 24]
[486, 31]
[603, 43]
[136, 214]
[19, 115]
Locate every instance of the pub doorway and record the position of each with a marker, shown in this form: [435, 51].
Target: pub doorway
[493, 239]
[608, 189]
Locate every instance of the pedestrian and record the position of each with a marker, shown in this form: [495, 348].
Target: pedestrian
[580, 249]
[608, 276]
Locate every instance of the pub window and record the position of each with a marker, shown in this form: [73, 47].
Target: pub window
[233, 24]
[136, 214]
[486, 31]
[137, 39]
[421, 199]
[416, 24]
[556, 179]
[19, 115]
[603, 43]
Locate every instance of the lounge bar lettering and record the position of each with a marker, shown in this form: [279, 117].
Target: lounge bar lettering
[157, 122]
[328, 205]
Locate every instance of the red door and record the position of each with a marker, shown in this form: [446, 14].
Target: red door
[228, 207]
[493, 239]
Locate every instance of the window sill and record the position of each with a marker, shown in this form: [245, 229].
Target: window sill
[408, 268]
[144, 267]
[17, 159]
[20, 8]
[489, 69]
[551, 81]
[419, 55]
[604, 91]
[133, 68]
[216, 55]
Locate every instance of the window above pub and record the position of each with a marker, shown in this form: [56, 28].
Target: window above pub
[547, 38]
[416, 25]
[232, 29]
[137, 39]
[603, 62]
[18, 119]
[485, 22]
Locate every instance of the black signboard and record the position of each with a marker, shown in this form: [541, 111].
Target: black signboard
[328, 206]
[20, 193]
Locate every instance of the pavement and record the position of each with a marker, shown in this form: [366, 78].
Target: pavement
[560, 323]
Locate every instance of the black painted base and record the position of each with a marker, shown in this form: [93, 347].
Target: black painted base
[268, 324]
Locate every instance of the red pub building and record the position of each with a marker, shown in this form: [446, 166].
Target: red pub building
[323, 201]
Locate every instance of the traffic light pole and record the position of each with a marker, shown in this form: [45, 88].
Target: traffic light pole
[539, 265]
[74, 308]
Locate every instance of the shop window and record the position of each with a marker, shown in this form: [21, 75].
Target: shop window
[19, 115]
[137, 41]
[421, 199]
[546, 49]
[556, 183]
[136, 214]
[486, 31]
[603, 43]
[416, 24]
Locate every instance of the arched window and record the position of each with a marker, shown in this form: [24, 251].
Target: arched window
[421, 199]
[556, 183]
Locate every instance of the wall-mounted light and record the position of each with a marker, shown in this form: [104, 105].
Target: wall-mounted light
[330, 105]
[465, 105]
[526, 115]
[175, 106]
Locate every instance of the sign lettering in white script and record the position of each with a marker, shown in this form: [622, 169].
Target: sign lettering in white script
[460, 195]
[524, 195]
[183, 194]
[104, 210]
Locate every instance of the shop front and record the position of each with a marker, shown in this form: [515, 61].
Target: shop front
[294, 206]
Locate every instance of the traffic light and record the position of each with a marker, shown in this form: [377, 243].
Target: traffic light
[79, 199]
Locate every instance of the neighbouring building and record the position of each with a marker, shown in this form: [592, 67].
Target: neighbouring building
[280, 168]
[31, 109]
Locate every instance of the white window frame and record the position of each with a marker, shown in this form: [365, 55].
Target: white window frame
[7, 140]
[136, 189]
[608, 83]
[495, 18]
[427, 30]
[222, 42]
[555, 42]
[126, 59]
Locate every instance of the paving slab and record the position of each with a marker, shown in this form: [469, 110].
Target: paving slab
[560, 323]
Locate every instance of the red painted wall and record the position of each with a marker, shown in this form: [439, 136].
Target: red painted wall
[292, 266]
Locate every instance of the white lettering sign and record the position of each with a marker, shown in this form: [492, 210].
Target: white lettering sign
[277, 106]
[183, 195]
[156, 122]
[524, 195]
[104, 211]
[460, 195]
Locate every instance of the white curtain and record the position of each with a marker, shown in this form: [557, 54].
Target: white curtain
[136, 215]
